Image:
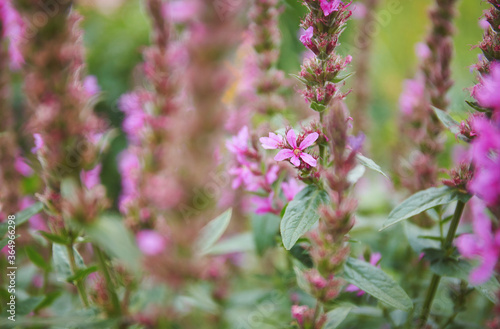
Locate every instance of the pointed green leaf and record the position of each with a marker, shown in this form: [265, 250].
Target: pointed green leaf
[336, 316]
[355, 174]
[450, 123]
[369, 163]
[265, 228]
[82, 273]
[212, 232]
[54, 238]
[37, 259]
[62, 266]
[317, 107]
[377, 283]
[423, 200]
[301, 214]
[26, 214]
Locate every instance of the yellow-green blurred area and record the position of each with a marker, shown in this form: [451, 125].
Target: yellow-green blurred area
[116, 32]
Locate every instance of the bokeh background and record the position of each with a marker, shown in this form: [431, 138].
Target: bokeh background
[117, 30]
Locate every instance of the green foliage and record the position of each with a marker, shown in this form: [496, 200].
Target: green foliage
[265, 229]
[301, 214]
[212, 232]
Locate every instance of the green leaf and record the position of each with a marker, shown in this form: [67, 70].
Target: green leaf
[302, 255]
[48, 300]
[450, 123]
[82, 274]
[62, 266]
[336, 316]
[377, 283]
[301, 279]
[461, 269]
[317, 107]
[414, 235]
[110, 234]
[355, 174]
[477, 107]
[423, 200]
[4, 242]
[342, 78]
[55, 238]
[265, 228]
[301, 214]
[26, 214]
[24, 307]
[212, 232]
[369, 163]
[37, 259]
[239, 243]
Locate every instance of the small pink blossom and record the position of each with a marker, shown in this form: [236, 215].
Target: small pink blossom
[484, 24]
[39, 143]
[359, 11]
[91, 86]
[272, 142]
[180, 11]
[13, 30]
[291, 188]
[244, 175]
[422, 50]
[412, 95]
[238, 145]
[150, 242]
[483, 244]
[298, 313]
[296, 153]
[329, 6]
[487, 94]
[272, 174]
[264, 205]
[306, 36]
[90, 178]
[22, 167]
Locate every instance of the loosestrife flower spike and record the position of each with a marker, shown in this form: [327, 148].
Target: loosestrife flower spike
[295, 154]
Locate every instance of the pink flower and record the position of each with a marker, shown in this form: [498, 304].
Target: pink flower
[264, 205]
[180, 11]
[296, 153]
[238, 145]
[422, 50]
[329, 6]
[487, 94]
[486, 158]
[374, 260]
[412, 95]
[244, 175]
[484, 24]
[150, 242]
[22, 167]
[91, 86]
[132, 105]
[272, 174]
[13, 30]
[90, 178]
[291, 188]
[272, 142]
[39, 143]
[298, 313]
[306, 36]
[483, 244]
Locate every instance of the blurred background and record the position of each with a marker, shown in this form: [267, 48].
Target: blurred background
[117, 31]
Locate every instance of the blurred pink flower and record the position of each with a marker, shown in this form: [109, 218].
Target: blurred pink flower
[298, 313]
[272, 174]
[13, 30]
[359, 11]
[39, 143]
[483, 23]
[422, 50]
[272, 142]
[483, 244]
[412, 95]
[91, 86]
[90, 178]
[238, 145]
[291, 188]
[264, 205]
[180, 11]
[296, 153]
[244, 175]
[487, 94]
[22, 167]
[485, 153]
[36, 221]
[329, 6]
[151, 242]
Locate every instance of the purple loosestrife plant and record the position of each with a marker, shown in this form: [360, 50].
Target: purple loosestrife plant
[427, 89]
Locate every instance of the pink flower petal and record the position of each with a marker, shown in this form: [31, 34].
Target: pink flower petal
[284, 154]
[295, 160]
[308, 141]
[292, 138]
[308, 159]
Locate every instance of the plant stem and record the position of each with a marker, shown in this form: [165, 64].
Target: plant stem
[431, 293]
[322, 147]
[109, 283]
[80, 284]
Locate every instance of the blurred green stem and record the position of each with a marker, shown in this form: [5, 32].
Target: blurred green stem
[80, 284]
[426, 309]
[109, 283]
[322, 147]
